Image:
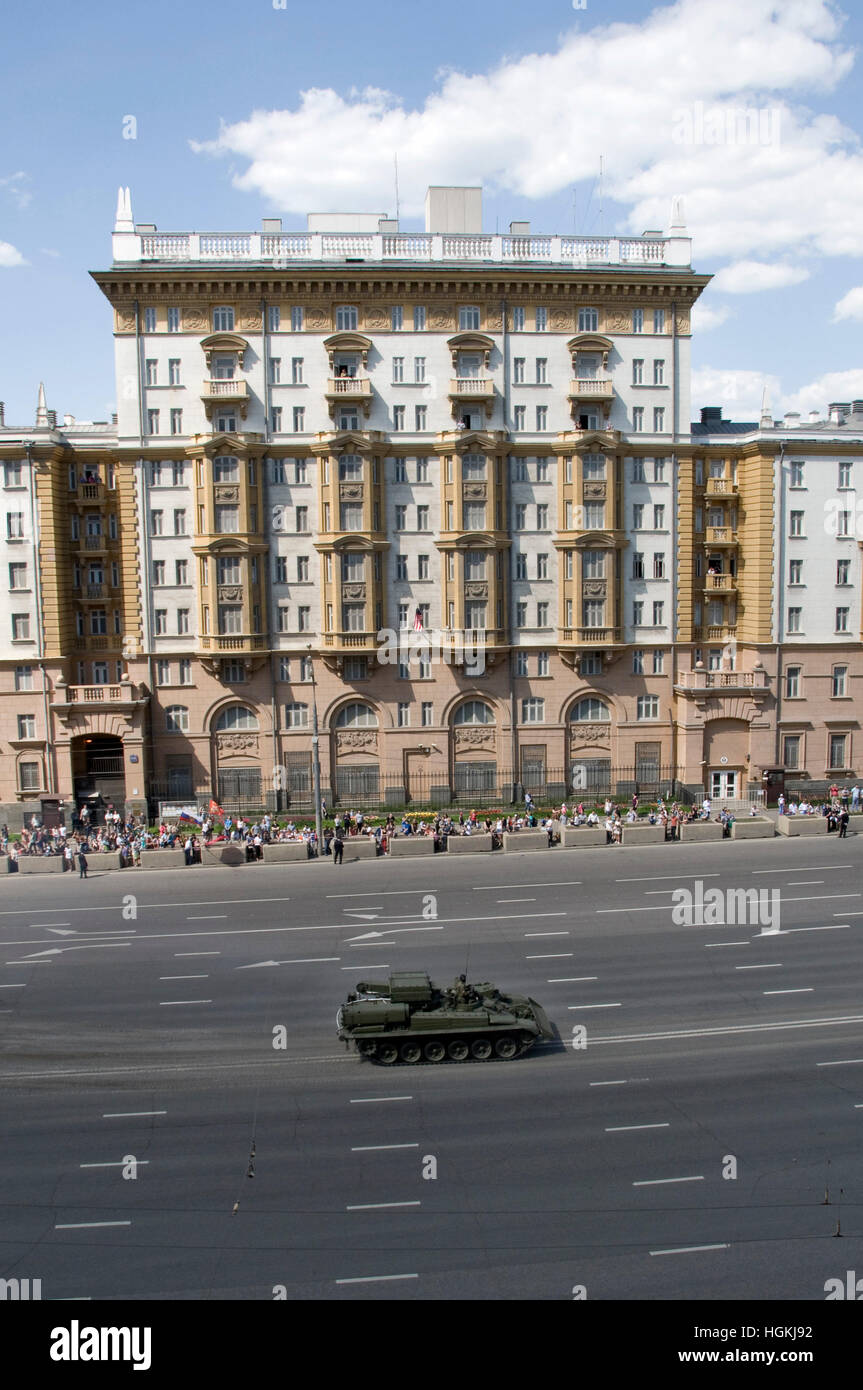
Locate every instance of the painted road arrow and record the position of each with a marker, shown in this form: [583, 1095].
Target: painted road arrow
[312, 960]
[58, 950]
[369, 935]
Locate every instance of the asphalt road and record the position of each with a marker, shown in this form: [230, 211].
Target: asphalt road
[684, 1152]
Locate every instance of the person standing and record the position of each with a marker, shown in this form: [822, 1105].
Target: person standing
[338, 846]
[844, 818]
[82, 862]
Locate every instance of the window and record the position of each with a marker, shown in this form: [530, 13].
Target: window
[637, 419]
[182, 621]
[302, 519]
[185, 672]
[474, 516]
[230, 618]
[401, 517]
[658, 611]
[398, 370]
[844, 475]
[791, 752]
[594, 613]
[542, 567]
[591, 664]
[235, 717]
[233, 673]
[648, 707]
[223, 319]
[542, 517]
[276, 369]
[792, 682]
[174, 371]
[542, 470]
[541, 320]
[474, 712]
[468, 318]
[638, 320]
[796, 473]
[304, 619]
[588, 320]
[843, 526]
[356, 716]
[594, 467]
[299, 419]
[843, 569]
[542, 614]
[594, 516]
[29, 777]
[173, 320]
[842, 619]
[840, 682]
[347, 318]
[638, 663]
[521, 613]
[593, 564]
[152, 422]
[276, 419]
[658, 564]
[422, 567]
[518, 370]
[590, 711]
[520, 560]
[541, 371]
[794, 619]
[421, 417]
[658, 663]
[404, 714]
[356, 668]
[638, 371]
[163, 673]
[659, 517]
[422, 470]
[638, 471]
[796, 524]
[519, 417]
[156, 519]
[533, 710]
[419, 318]
[26, 726]
[23, 677]
[283, 618]
[658, 419]
[297, 318]
[227, 520]
[158, 572]
[541, 418]
[638, 613]
[638, 517]
[398, 418]
[837, 751]
[176, 421]
[296, 716]
[149, 320]
[152, 371]
[226, 422]
[160, 621]
[397, 318]
[18, 576]
[274, 318]
[180, 522]
[176, 719]
[795, 572]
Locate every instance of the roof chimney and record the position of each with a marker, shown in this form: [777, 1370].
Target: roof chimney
[711, 414]
[814, 417]
[792, 419]
[837, 411]
[857, 407]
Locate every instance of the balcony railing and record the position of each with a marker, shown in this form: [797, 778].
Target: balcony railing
[354, 388]
[595, 388]
[283, 248]
[716, 632]
[721, 487]
[95, 591]
[725, 583]
[353, 640]
[95, 542]
[97, 694]
[230, 389]
[237, 642]
[722, 680]
[474, 387]
[586, 635]
[91, 492]
[721, 535]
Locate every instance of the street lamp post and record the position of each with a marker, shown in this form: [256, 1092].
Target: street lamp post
[316, 759]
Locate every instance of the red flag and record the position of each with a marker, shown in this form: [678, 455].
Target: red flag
[418, 620]
[215, 809]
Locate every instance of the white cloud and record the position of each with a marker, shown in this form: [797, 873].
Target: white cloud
[749, 277]
[850, 306]
[707, 316]
[738, 391]
[817, 395]
[534, 125]
[13, 185]
[10, 256]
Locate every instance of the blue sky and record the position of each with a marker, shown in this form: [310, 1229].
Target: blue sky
[247, 111]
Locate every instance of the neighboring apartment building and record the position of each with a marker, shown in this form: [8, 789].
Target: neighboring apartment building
[479, 444]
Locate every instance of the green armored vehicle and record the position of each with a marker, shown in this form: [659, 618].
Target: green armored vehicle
[408, 1019]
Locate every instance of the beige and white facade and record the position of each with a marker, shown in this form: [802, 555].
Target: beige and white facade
[322, 434]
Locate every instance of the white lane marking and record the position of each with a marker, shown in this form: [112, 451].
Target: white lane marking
[553, 955]
[387, 931]
[209, 917]
[306, 960]
[660, 1182]
[516, 900]
[373, 1100]
[61, 931]
[848, 914]
[87, 1225]
[546, 933]
[777, 965]
[61, 950]
[620, 1129]
[812, 898]
[846, 1062]
[386, 893]
[807, 869]
[858, 1107]
[609, 1083]
[658, 878]
[121, 1164]
[179, 954]
[49, 924]
[786, 931]
[654, 907]
[130, 1114]
[560, 883]
[712, 945]
[732, 1029]
[805, 882]
[29, 962]
[184, 977]
[381, 1206]
[376, 1148]
[593, 1006]
[377, 966]
[689, 1249]
[377, 1278]
[112, 907]
[571, 979]
[13, 986]
[166, 1003]
[808, 990]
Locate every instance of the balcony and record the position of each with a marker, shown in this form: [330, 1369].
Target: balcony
[591, 388]
[720, 487]
[96, 644]
[97, 543]
[720, 535]
[716, 632]
[589, 636]
[349, 390]
[92, 491]
[724, 583]
[232, 391]
[237, 642]
[475, 390]
[722, 680]
[97, 591]
[351, 641]
[123, 694]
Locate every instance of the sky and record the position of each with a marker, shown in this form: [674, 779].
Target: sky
[216, 115]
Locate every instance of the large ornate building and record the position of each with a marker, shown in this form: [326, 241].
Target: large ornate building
[441, 487]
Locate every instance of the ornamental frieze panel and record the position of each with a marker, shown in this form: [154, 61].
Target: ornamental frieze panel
[561, 320]
[195, 321]
[588, 733]
[442, 318]
[682, 321]
[594, 588]
[375, 318]
[316, 319]
[494, 320]
[594, 490]
[227, 494]
[351, 492]
[350, 740]
[473, 738]
[476, 588]
[231, 744]
[249, 320]
[616, 322]
[230, 593]
[474, 492]
[125, 321]
[353, 591]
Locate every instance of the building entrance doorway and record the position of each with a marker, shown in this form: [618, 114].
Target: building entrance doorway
[723, 785]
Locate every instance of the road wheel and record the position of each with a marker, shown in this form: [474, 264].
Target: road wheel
[458, 1049]
[481, 1049]
[367, 1048]
[506, 1048]
[434, 1051]
[411, 1052]
[388, 1053]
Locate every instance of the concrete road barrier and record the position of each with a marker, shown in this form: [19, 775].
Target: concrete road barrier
[525, 839]
[642, 834]
[411, 846]
[289, 852]
[469, 844]
[801, 825]
[582, 836]
[699, 830]
[230, 855]
[360, 847]
[753, 828]
[163, 859]
[42, 864]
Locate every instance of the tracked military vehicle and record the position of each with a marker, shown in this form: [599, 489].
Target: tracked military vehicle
[409, 1019]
